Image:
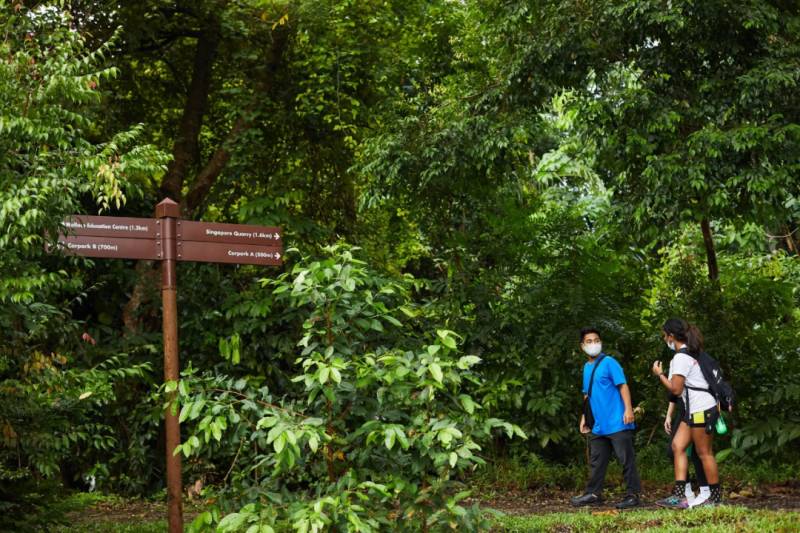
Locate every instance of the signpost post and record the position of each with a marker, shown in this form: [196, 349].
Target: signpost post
[169, 239]
[167, 213]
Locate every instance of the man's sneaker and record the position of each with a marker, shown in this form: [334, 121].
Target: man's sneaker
[630, 501]
[673, 502]
[586, 499]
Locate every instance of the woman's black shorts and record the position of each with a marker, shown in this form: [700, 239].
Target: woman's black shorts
[706, 419]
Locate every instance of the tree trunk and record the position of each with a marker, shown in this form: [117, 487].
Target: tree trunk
[185, 149]
[711, 253]
[186, 146]
[204, 180]
[147, 278]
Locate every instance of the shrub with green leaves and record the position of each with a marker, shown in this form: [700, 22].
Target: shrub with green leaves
[377, 432]
[51, 161]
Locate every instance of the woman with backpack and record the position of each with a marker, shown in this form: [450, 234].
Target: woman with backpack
[686, 380]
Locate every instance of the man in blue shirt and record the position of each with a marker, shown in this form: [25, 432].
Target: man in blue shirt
[610, 400]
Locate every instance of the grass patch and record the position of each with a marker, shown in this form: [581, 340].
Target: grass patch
[102, 513]
[158, 526]
[528, 471]
[720, 519]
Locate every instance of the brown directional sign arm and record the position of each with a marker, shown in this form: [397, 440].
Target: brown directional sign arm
[125, 227]
[221, 252]
[230, 233]
[109, 247]
[110, 237]
[229, 243]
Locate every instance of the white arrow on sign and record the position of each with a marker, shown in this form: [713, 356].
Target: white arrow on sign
[277, 255]
[277, 236]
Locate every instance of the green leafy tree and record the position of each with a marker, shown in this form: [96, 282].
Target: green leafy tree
[50, 162]
[694, 117]
[379, 433]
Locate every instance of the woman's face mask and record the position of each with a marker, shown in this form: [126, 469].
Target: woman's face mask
[670, 342]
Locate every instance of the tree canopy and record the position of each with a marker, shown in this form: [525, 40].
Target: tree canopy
[462, 186]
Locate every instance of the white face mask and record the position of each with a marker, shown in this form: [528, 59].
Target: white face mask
[592, 350]
[671, 345]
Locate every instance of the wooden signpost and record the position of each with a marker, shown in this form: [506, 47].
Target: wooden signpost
[168, 239]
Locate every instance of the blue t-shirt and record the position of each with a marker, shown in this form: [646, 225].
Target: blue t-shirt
[606, 400]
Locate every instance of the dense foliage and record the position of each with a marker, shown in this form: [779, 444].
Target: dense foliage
[509, 171]
[378, 429]
[56, 390]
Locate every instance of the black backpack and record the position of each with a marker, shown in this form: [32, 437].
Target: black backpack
[717, 386]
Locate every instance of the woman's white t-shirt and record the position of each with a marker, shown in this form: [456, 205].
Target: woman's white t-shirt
[687, 366]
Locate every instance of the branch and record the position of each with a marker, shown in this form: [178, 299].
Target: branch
[228, 473]
[265, 404]
[781, 236]
[158, 45]
[206, 178]
[208, 175]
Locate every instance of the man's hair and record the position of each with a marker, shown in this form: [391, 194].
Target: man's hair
[587, 330]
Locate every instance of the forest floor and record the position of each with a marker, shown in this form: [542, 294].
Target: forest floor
[770, 507]
[773, 496]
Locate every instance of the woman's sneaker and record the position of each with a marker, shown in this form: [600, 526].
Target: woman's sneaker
[673, 502]
[701, 499]
[706, 503]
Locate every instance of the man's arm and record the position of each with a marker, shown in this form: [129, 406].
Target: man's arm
[625, 392]
[582, 427]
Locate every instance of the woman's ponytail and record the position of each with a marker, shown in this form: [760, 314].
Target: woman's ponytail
[694, 340]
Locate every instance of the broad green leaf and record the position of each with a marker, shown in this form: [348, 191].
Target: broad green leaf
[232, 522]
[279, 443]
[468, 361]
[436, 372]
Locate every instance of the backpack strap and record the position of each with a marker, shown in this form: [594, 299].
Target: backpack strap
[591, 378]
[708, 390]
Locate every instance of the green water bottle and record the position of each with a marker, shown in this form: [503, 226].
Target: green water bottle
[721, 427]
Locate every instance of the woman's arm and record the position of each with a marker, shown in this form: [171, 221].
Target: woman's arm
[674, 385]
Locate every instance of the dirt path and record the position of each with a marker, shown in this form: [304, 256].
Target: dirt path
[124, 511]
[776, 496]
